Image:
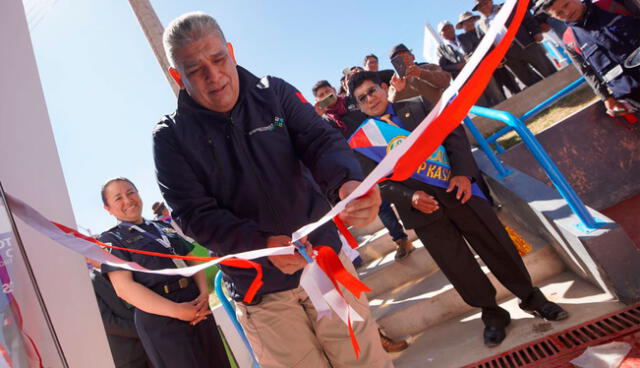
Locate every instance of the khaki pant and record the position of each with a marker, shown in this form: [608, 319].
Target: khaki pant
[284, 332]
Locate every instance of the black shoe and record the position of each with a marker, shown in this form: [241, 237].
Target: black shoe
[357, 262]
[493, 335]
[549, 311]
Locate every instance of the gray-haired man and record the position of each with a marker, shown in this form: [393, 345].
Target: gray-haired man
[230, 163]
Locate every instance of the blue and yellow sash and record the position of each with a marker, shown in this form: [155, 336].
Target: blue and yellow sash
[374, 138]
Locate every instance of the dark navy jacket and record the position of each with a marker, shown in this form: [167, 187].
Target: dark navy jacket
[233, 181]
[606, 40]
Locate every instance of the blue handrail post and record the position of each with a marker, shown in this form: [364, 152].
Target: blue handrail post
[552, 171]
[232, 315]
[484, 146]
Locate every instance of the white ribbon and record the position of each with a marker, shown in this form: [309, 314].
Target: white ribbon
[88, 249]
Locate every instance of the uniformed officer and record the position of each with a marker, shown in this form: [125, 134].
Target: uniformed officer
[172, 314]
[607, 41]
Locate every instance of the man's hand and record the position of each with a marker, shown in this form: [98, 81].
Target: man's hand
[614, 107]
[413, 71]
[398, 83]
[464, 188]
[363, 210]
[538, 37]
[424, 202]
[545, 27]
[288, 264]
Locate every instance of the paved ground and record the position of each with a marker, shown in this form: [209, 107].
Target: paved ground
[627, 214]
[458, 342]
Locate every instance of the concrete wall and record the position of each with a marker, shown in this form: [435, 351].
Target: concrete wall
[30, 169]
[528, 98]
[599, 156]
[606, 257]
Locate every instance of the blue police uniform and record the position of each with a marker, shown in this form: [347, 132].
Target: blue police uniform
[606, 40]
[169, 342]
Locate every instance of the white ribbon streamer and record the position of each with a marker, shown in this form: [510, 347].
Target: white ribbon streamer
[88, 249]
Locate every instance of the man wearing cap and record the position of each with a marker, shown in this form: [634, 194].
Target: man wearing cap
[449, 209]
[604, 42]
[452, 59]
[422, 79]
[468, 39]
[525, 52]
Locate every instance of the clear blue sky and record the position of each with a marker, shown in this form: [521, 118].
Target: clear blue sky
[105, 90]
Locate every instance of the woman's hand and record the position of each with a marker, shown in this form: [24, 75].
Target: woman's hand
[187, 311]
[202, 304]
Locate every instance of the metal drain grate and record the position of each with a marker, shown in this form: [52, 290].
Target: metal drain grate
[543, 352]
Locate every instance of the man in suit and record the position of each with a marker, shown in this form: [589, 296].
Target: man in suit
[445, 216]
[452, 59]
[117, 317]
[347, 121]
[450, 53]
[469, 40]
[525, 52]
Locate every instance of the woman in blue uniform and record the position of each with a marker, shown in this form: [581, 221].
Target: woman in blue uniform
[172, 314]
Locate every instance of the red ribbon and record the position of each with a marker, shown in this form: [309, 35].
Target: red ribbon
[256, 284]
[353, 243]
[332, 266]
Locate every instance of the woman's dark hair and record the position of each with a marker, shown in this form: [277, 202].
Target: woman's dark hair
[105, 185]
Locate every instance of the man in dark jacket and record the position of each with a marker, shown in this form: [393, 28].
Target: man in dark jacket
[449, 210]
[525, 52]
[605, 41]
[117, 317]
[450, 53]
[230, 162]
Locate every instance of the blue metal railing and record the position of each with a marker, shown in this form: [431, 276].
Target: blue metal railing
[493, 139]
[484, 145]
[550, 168]
[226, 304]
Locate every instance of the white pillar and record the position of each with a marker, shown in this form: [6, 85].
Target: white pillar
[30, 170]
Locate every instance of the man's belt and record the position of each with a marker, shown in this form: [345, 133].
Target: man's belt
[170, 287]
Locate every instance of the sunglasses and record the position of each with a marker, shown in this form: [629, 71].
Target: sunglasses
[370, 92]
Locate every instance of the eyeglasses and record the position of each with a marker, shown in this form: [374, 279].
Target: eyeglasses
[370, 92]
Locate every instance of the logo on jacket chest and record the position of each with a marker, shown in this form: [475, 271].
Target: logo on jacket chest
[278, 122]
